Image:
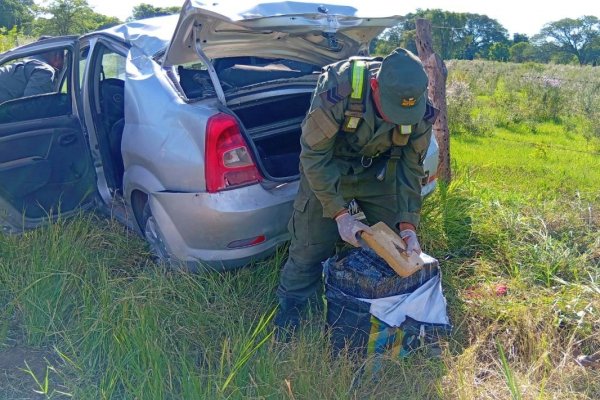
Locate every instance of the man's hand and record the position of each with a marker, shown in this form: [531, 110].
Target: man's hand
[348, 227]
[412, 242]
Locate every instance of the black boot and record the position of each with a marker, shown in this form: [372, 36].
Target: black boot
[316, 302]
[287, 320]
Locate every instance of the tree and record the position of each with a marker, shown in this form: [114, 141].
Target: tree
[454, 35]
[8, 38]
[445, 32]
[16, 13]
[68, 17]
[519, 38]
[498, 52]
[388, 40]
[480, 33]
[101, 21]
[397, 36]
[144, 10]
[577, 37]
[543, 52]
[523, 52]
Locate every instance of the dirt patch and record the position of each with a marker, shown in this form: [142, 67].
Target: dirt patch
[15, 380]
[16, 357]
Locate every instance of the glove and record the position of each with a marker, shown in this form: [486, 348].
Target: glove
[349, 226]
[412, 243]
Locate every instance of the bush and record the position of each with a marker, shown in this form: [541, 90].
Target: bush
[463, 114]
[8, 38]
[460, 102]
[545, 98]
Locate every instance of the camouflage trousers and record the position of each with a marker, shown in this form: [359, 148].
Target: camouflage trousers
[314, 237]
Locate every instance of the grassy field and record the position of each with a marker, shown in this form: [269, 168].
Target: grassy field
[95, 318]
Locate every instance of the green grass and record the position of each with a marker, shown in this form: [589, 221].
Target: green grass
[100, 320]
[549, 164]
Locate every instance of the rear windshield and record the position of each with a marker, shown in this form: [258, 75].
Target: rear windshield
[237, 72]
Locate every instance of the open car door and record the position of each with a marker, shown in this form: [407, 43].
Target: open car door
[45, 164]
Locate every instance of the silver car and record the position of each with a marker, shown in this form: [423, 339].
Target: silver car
[184, 128]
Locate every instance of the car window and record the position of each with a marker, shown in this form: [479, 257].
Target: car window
[36, 86]
[33, 75]
[113, 65]
[196, 65]
[195, 80]
[236, 72]
[106, 79]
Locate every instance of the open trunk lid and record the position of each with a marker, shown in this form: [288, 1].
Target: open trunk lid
[309, 32]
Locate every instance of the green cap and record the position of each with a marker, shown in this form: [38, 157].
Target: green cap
[402, 87]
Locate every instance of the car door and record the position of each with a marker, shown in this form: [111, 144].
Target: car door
[45, 164]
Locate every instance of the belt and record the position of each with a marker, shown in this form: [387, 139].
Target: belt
[388, 171]
[365, 161]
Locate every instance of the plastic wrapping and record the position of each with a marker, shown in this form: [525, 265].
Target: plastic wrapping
[360, 273]
[363, 274]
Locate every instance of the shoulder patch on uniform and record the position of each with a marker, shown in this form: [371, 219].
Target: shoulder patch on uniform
[334, 95]
[431, 113]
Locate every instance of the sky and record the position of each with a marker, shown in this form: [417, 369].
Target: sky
[517, 16]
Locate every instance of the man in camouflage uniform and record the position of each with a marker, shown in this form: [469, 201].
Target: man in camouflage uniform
[365, 137]
[32, 76]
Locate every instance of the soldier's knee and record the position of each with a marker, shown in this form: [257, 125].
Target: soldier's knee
[309, 255]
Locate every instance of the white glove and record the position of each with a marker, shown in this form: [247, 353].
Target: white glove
[348, 227]
[412, 243]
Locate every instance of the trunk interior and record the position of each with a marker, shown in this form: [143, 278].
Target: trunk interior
[269, 96]
[273, 125]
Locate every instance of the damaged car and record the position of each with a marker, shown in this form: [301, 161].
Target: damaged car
[185, 128]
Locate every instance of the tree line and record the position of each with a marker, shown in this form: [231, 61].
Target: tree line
[22, 21]
[455, 35]
[466, 36]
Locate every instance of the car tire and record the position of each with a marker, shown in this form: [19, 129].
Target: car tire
[154, 236]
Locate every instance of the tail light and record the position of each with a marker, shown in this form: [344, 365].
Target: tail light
[229, 163]
[247, 242]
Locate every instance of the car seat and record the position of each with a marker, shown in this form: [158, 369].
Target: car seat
[112, 105]
[195, 83]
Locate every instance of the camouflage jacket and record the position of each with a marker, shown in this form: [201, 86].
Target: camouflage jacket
[329, 152]
[26, 78]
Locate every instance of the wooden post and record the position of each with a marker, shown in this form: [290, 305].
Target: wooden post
[437, 73]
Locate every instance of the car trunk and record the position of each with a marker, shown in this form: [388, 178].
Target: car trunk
[272, 123]
[262, 61]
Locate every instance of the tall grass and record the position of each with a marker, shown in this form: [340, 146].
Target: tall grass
[522, 213]
[483, 95]
[511, 382]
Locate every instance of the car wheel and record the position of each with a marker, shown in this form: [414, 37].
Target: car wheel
[154, 236]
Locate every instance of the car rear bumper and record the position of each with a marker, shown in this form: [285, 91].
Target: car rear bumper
[206, 226]
[430, 167]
